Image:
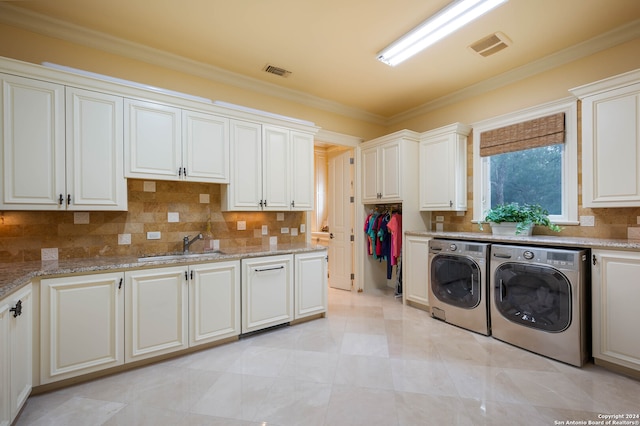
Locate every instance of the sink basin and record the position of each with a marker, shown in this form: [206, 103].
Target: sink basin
[177, 256]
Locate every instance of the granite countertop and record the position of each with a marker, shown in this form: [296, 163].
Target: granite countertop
[13, 276]
[538, 240]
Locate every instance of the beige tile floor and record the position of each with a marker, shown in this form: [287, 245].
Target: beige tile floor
[372, 361]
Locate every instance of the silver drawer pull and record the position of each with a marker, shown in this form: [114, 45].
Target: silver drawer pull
[270, 269]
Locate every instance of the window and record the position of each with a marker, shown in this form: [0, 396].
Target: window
[545, 175]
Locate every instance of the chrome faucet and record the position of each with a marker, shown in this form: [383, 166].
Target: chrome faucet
[186, 243]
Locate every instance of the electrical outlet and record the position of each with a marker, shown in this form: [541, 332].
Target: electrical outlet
[265, 230]
[205, 198]
[154, 235]
[173, 217]
[279, 217]
[633, 233]
[294, 232]
[215, 244]
[149, 186]
[284, 230]
[124, 239]
[273, 241]
[303, 228]
[241, 225]
[439, 218]
[587, 221]
[49, 254]
[439, 227]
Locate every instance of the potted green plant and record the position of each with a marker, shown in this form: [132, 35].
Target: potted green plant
[516, 219]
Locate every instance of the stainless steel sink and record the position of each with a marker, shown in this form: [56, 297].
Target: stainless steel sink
[178, 256]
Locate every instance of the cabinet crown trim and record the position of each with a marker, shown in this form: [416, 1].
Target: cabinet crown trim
[607, 84]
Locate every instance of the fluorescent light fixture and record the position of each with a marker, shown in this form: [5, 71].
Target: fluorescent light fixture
[440, 25]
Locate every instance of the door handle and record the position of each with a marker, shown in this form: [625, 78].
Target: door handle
[331, 235]
[270, 269]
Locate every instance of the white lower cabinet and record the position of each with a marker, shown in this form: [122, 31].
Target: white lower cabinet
[416, 269]
[16, 352]
[214, 302]
[82, 325]
[310, 284]
[267, 292]
[615, 296]
[156, 312]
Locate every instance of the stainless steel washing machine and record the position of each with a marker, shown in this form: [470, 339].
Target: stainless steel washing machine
[457, 283]
[539, 300]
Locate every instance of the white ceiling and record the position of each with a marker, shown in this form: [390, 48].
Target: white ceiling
[330, 46]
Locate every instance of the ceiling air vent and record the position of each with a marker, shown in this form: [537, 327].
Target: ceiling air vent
[491, 44]
[276, 70]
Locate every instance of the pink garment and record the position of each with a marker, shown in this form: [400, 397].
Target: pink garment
[395, 227]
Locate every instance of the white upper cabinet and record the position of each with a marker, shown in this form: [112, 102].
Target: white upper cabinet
[168, 143]
[611, 141]
[95, 172]
[443, 168]
[48, 168]
[33, 139]
[384, 174]
[272, 169]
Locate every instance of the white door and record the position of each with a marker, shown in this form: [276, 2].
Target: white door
[153, 140]
[156, 308]
[206, 147]
[267, 292]
[341, 217]
[95, 144]
[214, 301]
[21, 348]
[276, 170]
[82, 325]
[33, 144]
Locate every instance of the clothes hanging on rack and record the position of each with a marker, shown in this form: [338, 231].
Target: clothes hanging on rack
[384, 236]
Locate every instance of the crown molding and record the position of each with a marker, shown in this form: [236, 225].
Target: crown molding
[41, 24]
[604, 41]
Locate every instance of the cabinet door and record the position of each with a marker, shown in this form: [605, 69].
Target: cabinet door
[276, 172]
[302, 172]
[370, 186]
[206, 147]
[390, 178]
[416, 269]
[156, 305]
[95, 144]
[244, 191]
[214, 302]
[33, 144]
[5, 400]
[611, 148]
[310, 284]
[437, 178]
[21, 348]
[615, 293]
[267, 292]
[82, 325]
[153, 140]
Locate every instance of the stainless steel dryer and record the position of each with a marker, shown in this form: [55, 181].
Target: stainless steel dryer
[539, 300]
[457, 283]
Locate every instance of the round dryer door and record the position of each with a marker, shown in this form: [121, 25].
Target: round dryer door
[533, 295]
[455, 280]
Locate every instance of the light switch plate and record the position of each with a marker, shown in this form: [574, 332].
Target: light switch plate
[294, 232]
[124, 239]
[587, 221]
[49, 254]
[265, 230]
[633, 233]
[215, 244]
[205, 198]
[149, 186]
[284, 230]
[439, 218]
[439, 227]
[241, 225]
[273, 241]
[81, 218]
[173, 217]
[303, 228]
[154, 235]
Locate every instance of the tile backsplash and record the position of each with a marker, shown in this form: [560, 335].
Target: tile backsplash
[154, 206]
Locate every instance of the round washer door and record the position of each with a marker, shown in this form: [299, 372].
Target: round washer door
[455, 280]
[535, 296]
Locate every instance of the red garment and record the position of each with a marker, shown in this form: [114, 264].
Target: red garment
[395, 228]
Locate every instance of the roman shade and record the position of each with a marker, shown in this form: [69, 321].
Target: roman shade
[534, 133]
